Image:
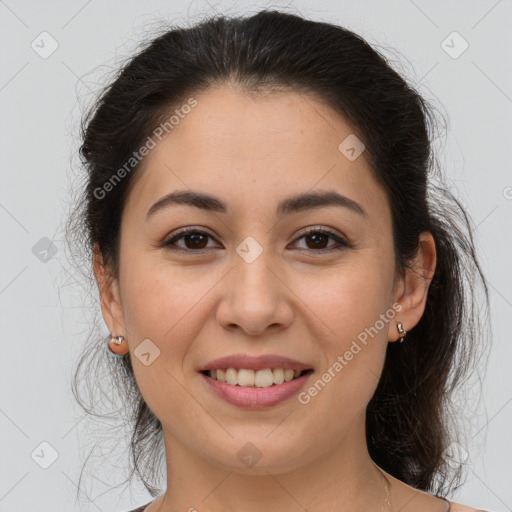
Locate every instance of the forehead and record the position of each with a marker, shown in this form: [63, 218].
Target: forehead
[253, 151]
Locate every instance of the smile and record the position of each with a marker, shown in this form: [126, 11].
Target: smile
[247, 377]
[249, 395]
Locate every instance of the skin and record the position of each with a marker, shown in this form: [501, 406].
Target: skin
[293, 300]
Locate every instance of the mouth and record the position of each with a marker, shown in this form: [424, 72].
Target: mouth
[255, 382]
[254, 389]
[249, 378]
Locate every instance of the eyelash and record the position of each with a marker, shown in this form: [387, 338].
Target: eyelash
[343, 244]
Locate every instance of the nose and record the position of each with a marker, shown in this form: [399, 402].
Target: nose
[255, 295]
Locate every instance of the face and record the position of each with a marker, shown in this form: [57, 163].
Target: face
[250, 281]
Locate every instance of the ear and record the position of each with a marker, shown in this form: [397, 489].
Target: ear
[412, 291]
[111, 305]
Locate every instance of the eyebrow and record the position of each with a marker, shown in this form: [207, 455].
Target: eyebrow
[298, 203]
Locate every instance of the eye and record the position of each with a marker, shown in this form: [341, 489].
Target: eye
[320, 236]
[196, 240]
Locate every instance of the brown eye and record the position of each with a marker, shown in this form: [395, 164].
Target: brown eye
[317, 240]
[194, 240]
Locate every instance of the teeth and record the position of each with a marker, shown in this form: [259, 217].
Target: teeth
[263, 378]
[278, 376]
[250, 378]
[245, 377]
[231, 376]
[288, 374]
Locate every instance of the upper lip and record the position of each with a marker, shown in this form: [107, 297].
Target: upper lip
[271, 361]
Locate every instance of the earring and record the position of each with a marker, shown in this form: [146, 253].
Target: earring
[118, 345]
[401, 330]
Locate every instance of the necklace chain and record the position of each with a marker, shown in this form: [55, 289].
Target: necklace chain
[388, 505]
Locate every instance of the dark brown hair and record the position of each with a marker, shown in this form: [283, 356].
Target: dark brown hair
[409, 418]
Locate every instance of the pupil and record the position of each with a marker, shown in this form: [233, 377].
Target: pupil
[196, 238]
[315, 238]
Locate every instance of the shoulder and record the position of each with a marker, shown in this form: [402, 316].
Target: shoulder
[411, 499]
[457, 507]
[147, 507]
[140, 509]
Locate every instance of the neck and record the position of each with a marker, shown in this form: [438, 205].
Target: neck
[345, 478]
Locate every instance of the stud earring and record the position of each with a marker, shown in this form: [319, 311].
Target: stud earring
[401, 330]
[118, 345]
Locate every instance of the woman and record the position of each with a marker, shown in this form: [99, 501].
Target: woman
[264, 226]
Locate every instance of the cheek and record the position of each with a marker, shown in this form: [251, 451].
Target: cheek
[160, 305]
[163, 305]
[346, 300]
[352, 315]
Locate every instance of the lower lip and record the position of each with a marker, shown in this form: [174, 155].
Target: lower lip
[256, 398]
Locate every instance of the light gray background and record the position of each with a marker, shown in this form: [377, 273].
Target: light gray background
[43, 326]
